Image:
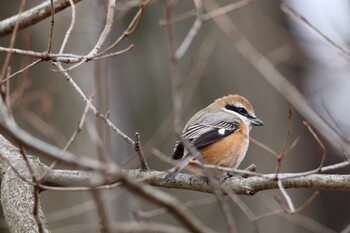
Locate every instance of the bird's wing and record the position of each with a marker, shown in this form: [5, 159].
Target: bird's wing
[203, 134]
[199, 135]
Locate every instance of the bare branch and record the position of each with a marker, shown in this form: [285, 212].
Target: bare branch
[131, 27]
[106, 29]
[97, 113]
[301, 19]
[32, 16]
[10, 129]
[163, 199]
[324, 154]
[191, 33]
[71, 26]
[276, 79]
[238, 184]
[12, 41]
[138, 149]
[286, 196]
[52, 24]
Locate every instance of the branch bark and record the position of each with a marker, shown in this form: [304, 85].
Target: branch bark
[238, 184]
[17, 195]
[32, 16]
[18, 199]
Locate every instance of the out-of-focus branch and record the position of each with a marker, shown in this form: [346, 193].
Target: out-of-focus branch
[276, 79]
[32, 16]
[301, 19]
[10, 129]
[92, 107]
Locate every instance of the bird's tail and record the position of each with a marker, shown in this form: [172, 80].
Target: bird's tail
[178, 167]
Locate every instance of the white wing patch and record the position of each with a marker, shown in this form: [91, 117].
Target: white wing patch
[221, 131]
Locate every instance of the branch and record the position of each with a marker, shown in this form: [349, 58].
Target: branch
[17, 195]
[17, 186]
[238, 184]
[276, 79]
[32, 16]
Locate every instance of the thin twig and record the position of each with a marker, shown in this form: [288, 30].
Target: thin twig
[245, 209]
[301, 19]
[174, 207]
[208, 16]
[106, 30]
[276, 79]
[284, 147]
[307, 223]
[99, 56]
[324, 150]
[80, 126]
[92, 107]
[101, 209]
[72, 138]
[175, 78]
[103, 36]
[12, 130]
[264, 146]
[52, 24]
[138, 149]
[71, 26]
[281, 211]
[22, 70]
[12, 41]
[7, 95]
[191, 33]
[307, 202]
[286, 197]
[131, 27]
[188, 204]
[64, 57]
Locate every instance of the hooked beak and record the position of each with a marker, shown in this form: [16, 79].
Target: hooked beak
[256, 121]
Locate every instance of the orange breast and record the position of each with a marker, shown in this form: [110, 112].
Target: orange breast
[229, 151]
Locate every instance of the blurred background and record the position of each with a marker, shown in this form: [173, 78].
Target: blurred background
[136, 88]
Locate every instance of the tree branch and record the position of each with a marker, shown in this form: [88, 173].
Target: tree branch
[238, 184]
[32, 16]
[17, 195]
[18, 190]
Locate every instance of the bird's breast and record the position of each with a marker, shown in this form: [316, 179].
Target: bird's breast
[229, 151]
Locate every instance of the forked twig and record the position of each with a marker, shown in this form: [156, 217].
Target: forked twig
[324, 154]
[283, 153]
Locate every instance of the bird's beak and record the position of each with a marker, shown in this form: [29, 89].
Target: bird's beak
[256, 121]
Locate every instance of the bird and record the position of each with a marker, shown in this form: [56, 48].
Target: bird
[220, 132]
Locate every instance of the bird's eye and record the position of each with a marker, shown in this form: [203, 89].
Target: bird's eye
[242, 111]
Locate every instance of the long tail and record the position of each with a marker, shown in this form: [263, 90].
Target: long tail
[178, 167]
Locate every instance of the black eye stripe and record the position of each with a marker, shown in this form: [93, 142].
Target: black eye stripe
[239, 110]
